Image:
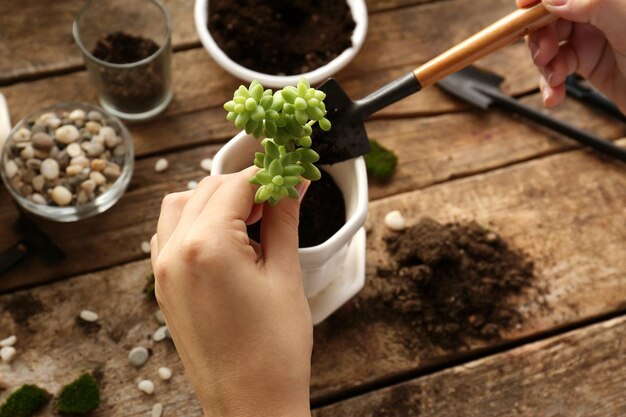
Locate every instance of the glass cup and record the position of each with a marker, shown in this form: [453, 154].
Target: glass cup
[136, 90]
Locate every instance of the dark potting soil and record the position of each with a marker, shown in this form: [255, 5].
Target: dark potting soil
[122, 48]
[135, 89]
[281, 36]
[22, 307]
[453, 282]
[322, 213]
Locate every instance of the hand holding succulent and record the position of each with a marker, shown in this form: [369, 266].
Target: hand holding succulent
[285, 118]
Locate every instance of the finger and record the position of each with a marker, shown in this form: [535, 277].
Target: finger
[564, 29]
[279, 234]
[171, 209]
[256, 214]
[229, 207]
[196, 203]
[564, 64]
[552, 96]
[154, 250]
[543, 45]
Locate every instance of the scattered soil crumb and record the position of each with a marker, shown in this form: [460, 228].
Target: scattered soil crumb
[89, 327]
[22, 307]
[453, 282]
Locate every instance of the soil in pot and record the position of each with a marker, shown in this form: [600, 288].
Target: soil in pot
[134, 89]
[281, 37]
[447, 284]
[322, 213]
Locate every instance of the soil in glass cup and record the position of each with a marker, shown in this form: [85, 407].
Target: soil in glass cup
[126, 45]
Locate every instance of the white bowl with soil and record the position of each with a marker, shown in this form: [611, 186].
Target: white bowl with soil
[284, 64]
[334, 268]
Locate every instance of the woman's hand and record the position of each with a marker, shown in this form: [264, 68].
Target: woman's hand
[589, 39]
[238, 316]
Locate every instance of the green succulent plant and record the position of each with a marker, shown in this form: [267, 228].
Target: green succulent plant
[285, 120]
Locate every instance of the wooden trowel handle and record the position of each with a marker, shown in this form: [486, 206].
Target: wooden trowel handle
[499, 34]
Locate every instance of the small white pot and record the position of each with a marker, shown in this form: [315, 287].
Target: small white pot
[359, 14]
[334, 271]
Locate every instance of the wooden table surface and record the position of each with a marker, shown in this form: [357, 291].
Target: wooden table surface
[562, 205]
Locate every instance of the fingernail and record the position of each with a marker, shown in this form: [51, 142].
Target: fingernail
[302, 189]
[555, 3]
[545, 93]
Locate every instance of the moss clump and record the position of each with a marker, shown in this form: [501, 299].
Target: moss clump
[380, 161]
[80, 397]
[148, 289]
[25, 402]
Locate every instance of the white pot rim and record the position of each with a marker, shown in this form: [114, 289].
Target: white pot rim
[359, 13]
[352, 224]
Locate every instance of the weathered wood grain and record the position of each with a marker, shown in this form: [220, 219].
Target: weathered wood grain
[565, 211]
[397, 42]
[431, 150]
[36, 37]
[580, 373]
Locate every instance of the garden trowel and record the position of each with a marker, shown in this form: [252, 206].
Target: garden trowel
[348, 138]
[482, 89]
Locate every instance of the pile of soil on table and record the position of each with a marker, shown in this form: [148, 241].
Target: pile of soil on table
[452, 282]
[322, 213]
[281, 36]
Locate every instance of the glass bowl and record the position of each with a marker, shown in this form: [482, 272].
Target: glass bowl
[122, 154]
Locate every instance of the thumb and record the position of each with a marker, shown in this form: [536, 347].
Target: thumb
[279, 233]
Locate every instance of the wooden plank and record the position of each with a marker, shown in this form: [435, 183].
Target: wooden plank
[56, 51]
[565, 211]
[49, 46]
[397, 42]
[431, 150]
[580, 373]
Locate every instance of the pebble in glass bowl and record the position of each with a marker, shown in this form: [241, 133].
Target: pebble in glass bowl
[68, 162]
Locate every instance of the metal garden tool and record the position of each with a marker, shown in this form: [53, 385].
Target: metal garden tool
[482, 90]
[577, 89]
[348, 138]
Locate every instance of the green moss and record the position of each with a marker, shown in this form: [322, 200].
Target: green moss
[25, 402]
[149, 287]
[80, 397]
[380, 161]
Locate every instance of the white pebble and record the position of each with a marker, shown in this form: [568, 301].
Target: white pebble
[157, 410]
[146, 386]
[11, 168]
[160, 318]
[206, 164]
[61, 195]
[77, 114]
[145, 247]
[27, 153]
[192, 185]
[74, 150]
[7, 354]
[22, 135]
[88, 316]
[67, 134]
[97, 177]
[9, 341]
[165, 373]
[161, 334]
[138, 356]
[395, 221]
[38, 199]
[50, 169]
[38, 182]
[161, 165]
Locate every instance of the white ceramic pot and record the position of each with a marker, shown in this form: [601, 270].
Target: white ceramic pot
[334, 271]
[359, 14]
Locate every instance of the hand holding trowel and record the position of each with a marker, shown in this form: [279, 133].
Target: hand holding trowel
[348, 139]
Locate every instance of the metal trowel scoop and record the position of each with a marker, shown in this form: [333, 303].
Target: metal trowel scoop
[482, 89]
[348, 138]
